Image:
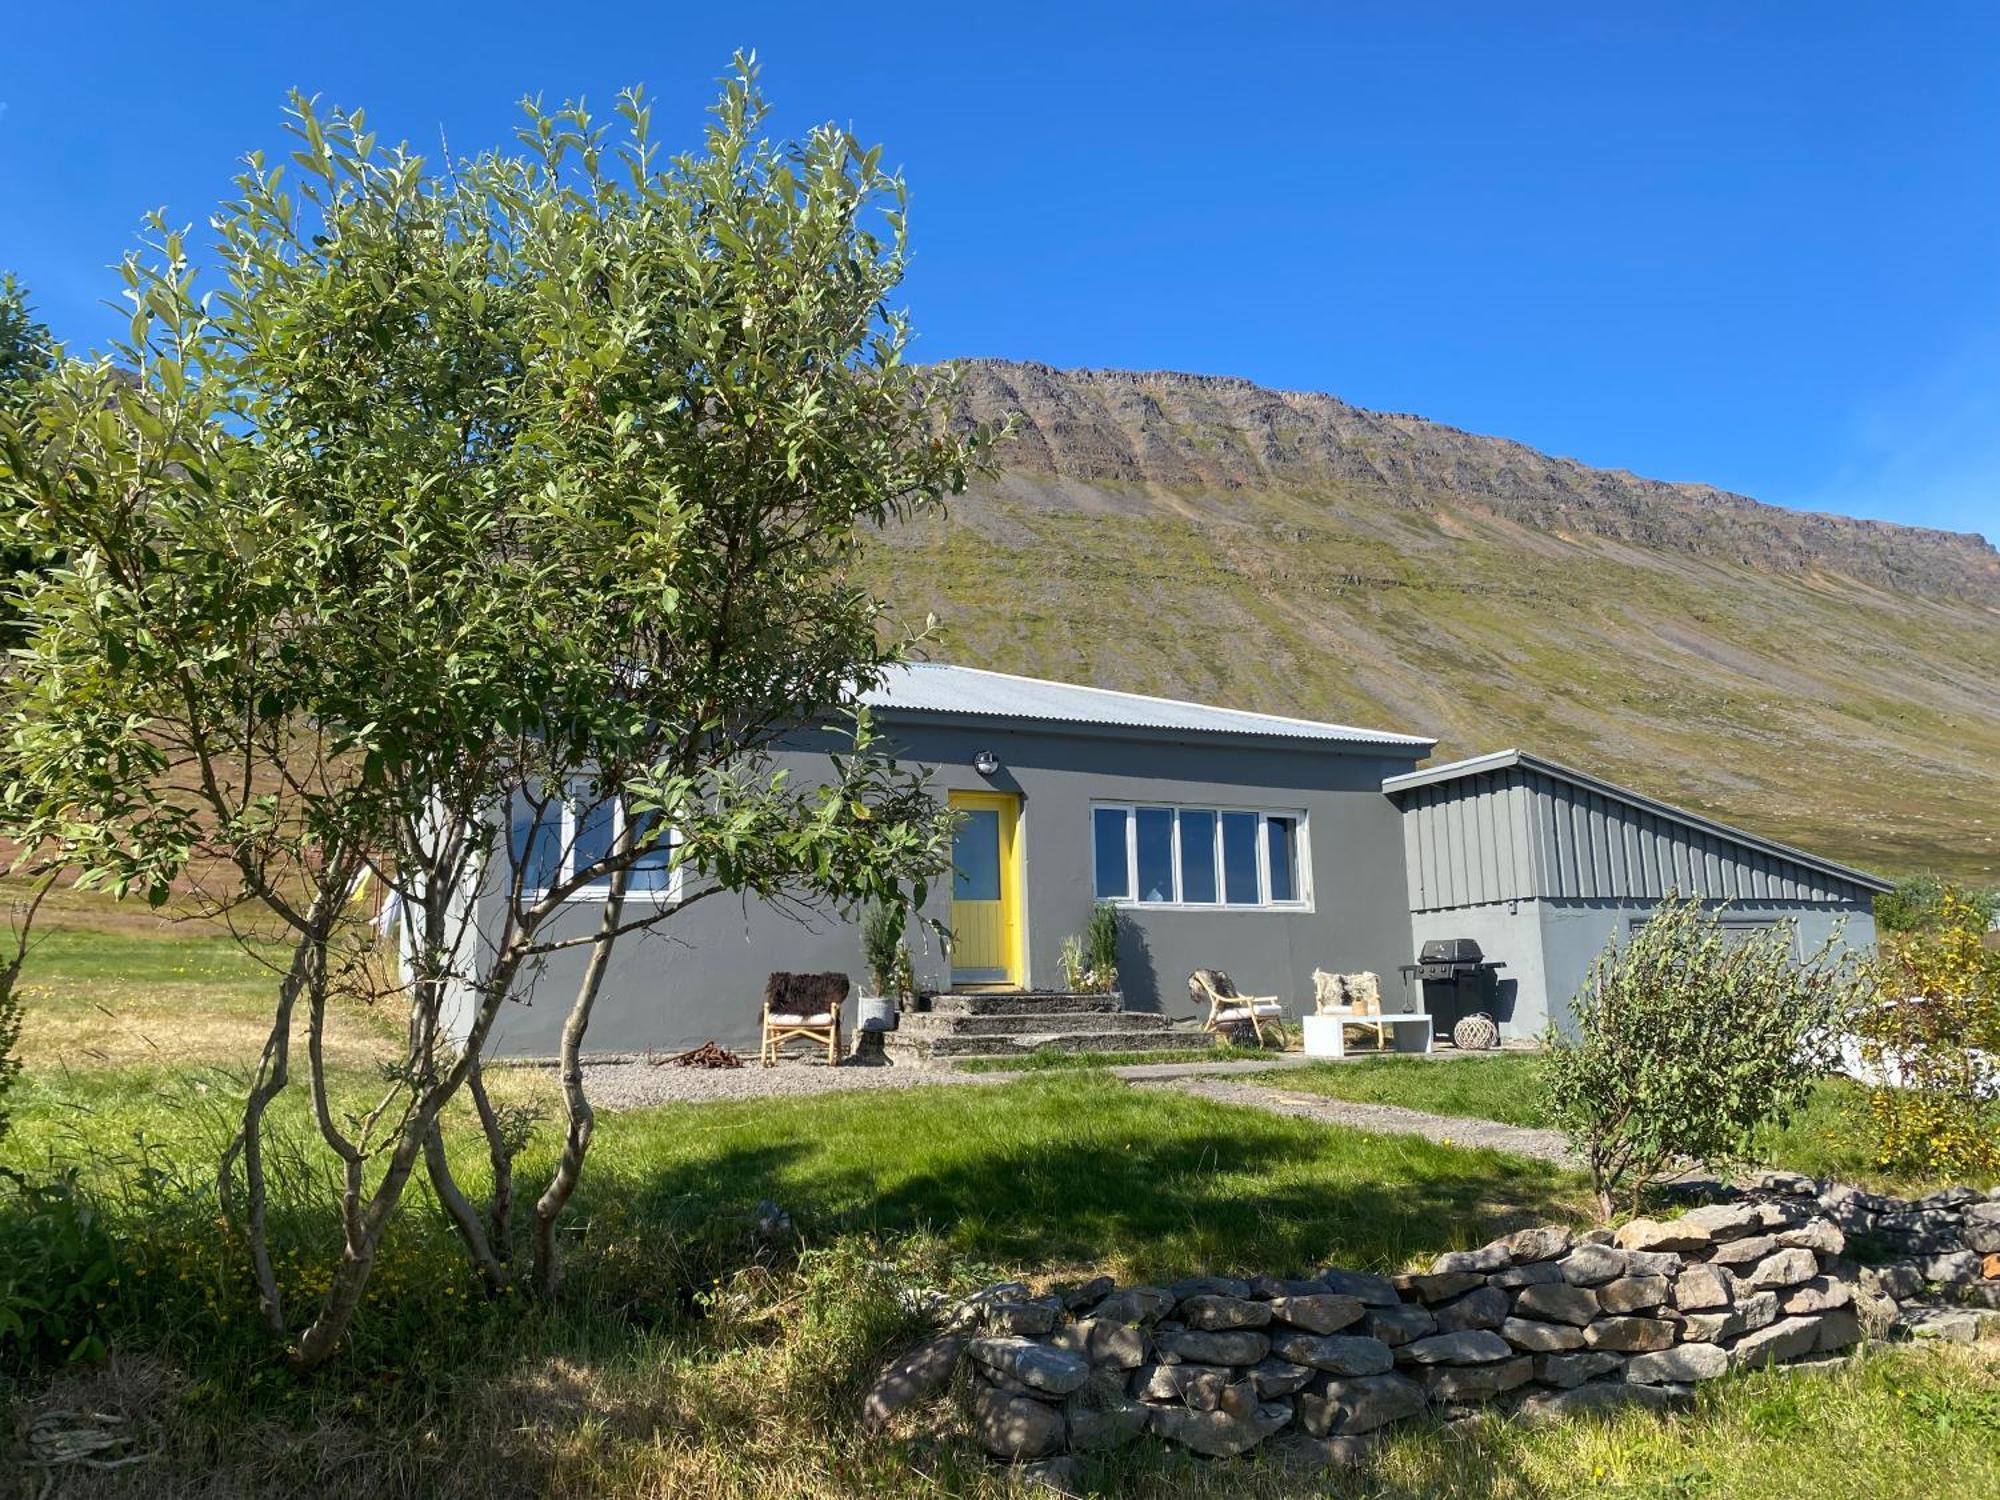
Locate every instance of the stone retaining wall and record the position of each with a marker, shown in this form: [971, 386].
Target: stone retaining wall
[1542, 1323]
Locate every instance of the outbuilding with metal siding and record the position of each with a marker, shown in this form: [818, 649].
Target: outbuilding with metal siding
[1543, 865]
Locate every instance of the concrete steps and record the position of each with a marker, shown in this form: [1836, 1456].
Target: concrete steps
[1021, 1003]
[933, 1025]
[1012, 1024]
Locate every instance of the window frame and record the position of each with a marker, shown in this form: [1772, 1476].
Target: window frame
[566, 831]
[1301, 857]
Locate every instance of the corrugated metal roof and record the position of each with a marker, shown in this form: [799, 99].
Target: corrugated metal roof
[937, 688]
[1504, 760]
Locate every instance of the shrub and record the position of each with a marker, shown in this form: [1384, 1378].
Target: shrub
[58, 1273]
[1687, 1038]
[1100, 943]
[1090, 963]
[1934, 1044]
[1924, 903]
[882, 947]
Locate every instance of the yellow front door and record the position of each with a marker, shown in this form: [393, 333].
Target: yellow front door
[986, 889]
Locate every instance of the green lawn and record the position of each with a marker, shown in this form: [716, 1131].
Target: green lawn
[1829, 1139]
[1499, 1088]
[113, 984]
[689, 1358]
[1074, 1169]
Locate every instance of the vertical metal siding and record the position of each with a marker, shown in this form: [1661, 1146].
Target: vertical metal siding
[1520, 833]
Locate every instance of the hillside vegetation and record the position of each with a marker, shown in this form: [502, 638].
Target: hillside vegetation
[1831, 682]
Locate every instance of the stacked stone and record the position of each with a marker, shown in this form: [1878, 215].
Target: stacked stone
[1935, 1258]
[1541, 1322]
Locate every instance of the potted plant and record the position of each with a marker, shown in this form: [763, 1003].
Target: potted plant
[1090, 963]
[888, 965]
[1100, 948]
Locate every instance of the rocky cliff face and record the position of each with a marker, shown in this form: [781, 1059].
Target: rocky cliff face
[1218, 433]
[1831, 682]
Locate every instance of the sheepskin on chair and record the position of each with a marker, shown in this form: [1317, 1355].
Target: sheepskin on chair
[1347, 994]
[804, 995]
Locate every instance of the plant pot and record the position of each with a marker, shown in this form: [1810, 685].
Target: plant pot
[875, 1013]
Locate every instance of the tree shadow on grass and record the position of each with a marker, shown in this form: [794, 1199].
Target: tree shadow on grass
[1085, 1172]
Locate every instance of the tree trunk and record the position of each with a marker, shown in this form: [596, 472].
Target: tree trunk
[486, 1258]
[582, 1119]
[500, 1151]
[366, 1226]
[490, 1242]
[306, 975]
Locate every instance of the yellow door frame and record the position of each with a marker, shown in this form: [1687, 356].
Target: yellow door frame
[1013, 883]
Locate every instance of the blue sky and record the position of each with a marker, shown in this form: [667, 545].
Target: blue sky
[1757, 245]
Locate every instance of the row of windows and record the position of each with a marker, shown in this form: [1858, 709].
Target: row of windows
[1154, 856]
[1196, 856]
[573, 835]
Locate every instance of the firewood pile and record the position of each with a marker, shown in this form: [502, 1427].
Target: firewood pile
[707, 1055]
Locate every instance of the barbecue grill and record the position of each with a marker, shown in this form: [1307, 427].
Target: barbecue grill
[1458, 981]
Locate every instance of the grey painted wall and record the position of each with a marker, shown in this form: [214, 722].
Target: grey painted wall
[1549, 946]
[1575, 932]
[702, 976]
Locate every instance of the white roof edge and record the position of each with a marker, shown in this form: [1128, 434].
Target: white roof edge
[1501, 760]
[1186, 716]
[1472, 765]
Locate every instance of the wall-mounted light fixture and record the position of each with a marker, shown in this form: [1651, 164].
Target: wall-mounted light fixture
[986, 763]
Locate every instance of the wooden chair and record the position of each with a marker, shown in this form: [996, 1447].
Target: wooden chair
[803, 1006]
[1226, 1007]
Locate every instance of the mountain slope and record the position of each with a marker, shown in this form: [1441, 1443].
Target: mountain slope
[1831, 682]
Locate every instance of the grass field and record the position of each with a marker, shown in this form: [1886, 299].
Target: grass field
[1829, 1139]
[689, 1357]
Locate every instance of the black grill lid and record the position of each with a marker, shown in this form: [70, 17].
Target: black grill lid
[1451, 951]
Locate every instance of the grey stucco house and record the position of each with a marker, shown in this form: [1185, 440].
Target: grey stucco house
[1264, 845]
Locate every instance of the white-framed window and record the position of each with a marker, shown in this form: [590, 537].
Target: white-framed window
[577, 832]
[1227, 858]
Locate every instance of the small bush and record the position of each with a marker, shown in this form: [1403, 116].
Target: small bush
[1100, 943]
[1934, 1042]
[1924, 903]
[58, 1273]
[1089, 963]
[882, 948]
[1688, 1038]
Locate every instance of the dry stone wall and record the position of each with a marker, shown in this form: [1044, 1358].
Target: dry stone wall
[1542, 1322]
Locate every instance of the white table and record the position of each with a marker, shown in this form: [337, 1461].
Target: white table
[1326, 1036]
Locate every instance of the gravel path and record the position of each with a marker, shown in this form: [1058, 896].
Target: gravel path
[1389, 1119]
[631, 1083]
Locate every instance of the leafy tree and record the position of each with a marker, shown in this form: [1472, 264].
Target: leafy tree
[538, 478]
[43, 873]
[1688, 1037]
[27, 348]
[27, 353]
[1923, 903]
[1934, 1043]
